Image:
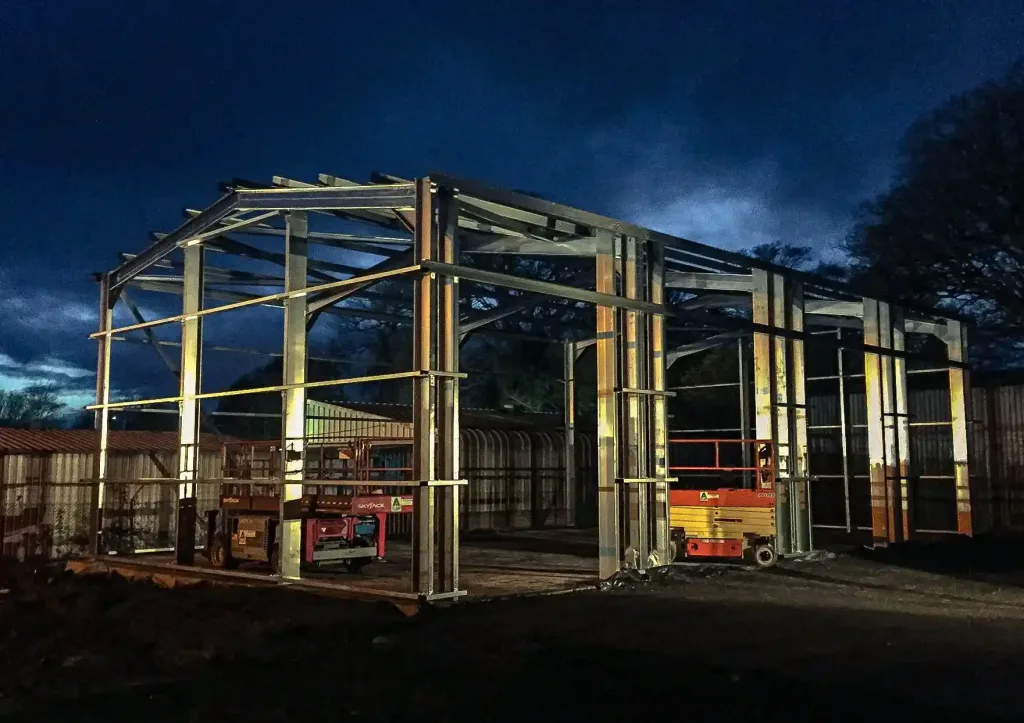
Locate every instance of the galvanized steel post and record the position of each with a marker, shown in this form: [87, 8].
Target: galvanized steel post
[189, 419]
[569, 420]
[659, 415]
[844, 442]
[800, 490]
[424, 392]
[956, 348]
[901, 419]
[607, 412]
[772, 394]
[293, 407]
[744, 402]
[887, 421]
[102, 416]
[875, 397]
[447, 500]
[631, 437]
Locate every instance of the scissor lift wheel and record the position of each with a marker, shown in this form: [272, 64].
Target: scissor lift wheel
[765, 555]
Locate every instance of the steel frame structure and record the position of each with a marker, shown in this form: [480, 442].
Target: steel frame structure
[428, 232]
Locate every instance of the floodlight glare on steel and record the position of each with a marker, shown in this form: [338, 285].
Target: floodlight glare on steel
[448, 220]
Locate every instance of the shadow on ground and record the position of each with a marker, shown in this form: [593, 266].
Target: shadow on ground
[719, 647]
[990, 558]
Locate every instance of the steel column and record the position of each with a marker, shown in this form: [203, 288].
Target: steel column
[607, 487]
[189, 418]
[447, 497]
[800, 490]
[883, 388]
[744, 389]
[632, 465]
[956, 348]
[901, 420]
[843, 432]
[569, 417]
[659, 414]
[780, 413]
[293, 402]
[424, 392]
[102, 416]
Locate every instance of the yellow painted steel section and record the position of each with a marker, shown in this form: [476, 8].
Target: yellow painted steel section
[723, 522]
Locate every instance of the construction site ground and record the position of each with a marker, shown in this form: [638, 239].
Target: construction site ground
[929, 630]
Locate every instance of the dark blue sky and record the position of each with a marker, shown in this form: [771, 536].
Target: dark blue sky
[732, 123]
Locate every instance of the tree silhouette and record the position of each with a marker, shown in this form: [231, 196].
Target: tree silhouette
[951, 229]
[34, 407]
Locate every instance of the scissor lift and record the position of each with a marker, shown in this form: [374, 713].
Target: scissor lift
[726, 522]
[343, 509]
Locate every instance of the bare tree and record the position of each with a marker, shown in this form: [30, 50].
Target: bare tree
[33, 407]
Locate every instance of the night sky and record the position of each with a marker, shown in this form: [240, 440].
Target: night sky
[732, 123]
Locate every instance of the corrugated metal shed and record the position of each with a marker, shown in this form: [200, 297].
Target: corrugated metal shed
[87, 440]
[516, 476]
[46, 495]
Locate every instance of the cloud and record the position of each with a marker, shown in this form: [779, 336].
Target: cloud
[74, 385]
[50, 310]
[733, 208]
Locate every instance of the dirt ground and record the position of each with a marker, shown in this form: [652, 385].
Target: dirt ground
[931, 631]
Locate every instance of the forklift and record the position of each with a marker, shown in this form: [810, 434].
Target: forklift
[727, 523]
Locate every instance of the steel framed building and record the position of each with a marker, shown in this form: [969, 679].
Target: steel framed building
[656, 297]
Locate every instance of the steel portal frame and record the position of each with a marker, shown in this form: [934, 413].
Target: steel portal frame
[428, 232]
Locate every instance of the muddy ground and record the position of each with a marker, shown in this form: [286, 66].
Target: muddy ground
[931, 632]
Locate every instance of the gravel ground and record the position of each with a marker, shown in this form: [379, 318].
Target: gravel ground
[932, 632]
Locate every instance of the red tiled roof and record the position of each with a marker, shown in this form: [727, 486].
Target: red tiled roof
[84, 440]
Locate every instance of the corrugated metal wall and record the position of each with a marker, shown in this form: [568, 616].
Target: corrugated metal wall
[996, 459]
[331, 424]
[516, 480]
[45, 503]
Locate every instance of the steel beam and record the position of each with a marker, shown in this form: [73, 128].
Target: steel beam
[263, 300]
[959, 389]
[319, 198]
[715, 301]
[607, 487]
[708, 282]
[225, 206]
[481, 243]
[189, 417]
[102, 417]
[293, 398]
[712, 342]
[834, 308]
[322, 302]
[546, 288]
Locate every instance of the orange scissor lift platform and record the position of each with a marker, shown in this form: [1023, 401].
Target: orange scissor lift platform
[727, 522]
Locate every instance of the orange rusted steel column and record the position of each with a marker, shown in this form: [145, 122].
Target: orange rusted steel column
[956, 349]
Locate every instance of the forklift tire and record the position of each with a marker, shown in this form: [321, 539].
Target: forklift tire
[765, 555]
[275, 561]
[220, 554]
